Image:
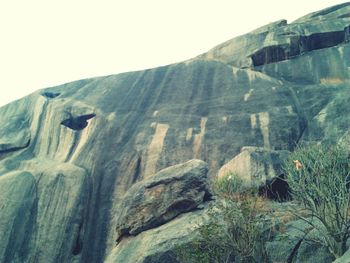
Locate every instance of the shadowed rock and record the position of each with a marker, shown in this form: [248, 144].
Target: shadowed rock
[299, 45]
[50, 95]
[78, 123]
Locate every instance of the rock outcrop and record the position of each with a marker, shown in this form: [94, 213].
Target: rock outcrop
[160, 198]
[255, 165]
[157, 245]
[72, 156]
[262, 169]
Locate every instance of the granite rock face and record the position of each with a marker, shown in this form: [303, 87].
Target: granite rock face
[70, 154]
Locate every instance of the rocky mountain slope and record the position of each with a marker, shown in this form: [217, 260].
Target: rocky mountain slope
[75, 156]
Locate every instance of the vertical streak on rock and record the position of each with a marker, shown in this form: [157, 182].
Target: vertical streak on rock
[38, 114]
[253, 121]
[155, 148]
[247, 95]
[189, 134]
[199, 137]
[264, 127]
[47, 134]
[82, 140]
[67, 140]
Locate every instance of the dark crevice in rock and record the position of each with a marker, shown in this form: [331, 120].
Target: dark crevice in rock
[184, 206]
[78, 123]
[122, 234]
[208, 196]
[137, 171]
[299, 45]
[294, 251]
[78, 243]
[50, 95]
[13, 149]
[321, 40]
[347, 34]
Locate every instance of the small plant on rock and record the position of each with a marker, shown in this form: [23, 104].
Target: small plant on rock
[319, 180]
[236, 229]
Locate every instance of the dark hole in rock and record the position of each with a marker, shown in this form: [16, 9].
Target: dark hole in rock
[122, 233]
[347, 34]
[322, 40]
[276, 189]
[78, 123]
[179, 207]
[50, 95]
[78, 247]
[78, 243]
[183, 205]
[288, 34]
[298, 45]
[137, 171]
[269, 55]
[207, 197]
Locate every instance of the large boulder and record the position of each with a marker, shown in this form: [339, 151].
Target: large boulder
[260, 168]
[160, 198]
[255, 164]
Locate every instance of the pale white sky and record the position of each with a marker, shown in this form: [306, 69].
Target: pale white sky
[49, 42]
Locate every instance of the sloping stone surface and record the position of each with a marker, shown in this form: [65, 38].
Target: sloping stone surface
[157, 245]
[160, 198]
[77, 148]
[17, 199]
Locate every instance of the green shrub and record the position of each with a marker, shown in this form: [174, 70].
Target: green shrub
[320, 184]
[228, 186]
[235, 230]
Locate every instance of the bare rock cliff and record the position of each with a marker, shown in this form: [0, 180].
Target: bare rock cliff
[70, 154]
